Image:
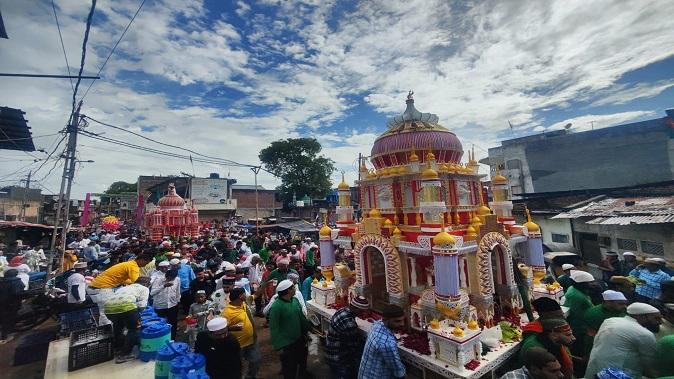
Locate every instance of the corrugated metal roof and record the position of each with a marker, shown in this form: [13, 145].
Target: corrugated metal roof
[14, 130]
[626, 211]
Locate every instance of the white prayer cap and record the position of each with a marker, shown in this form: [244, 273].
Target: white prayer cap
[284, 285]
[641, 309]
[581, 276]
[228, 266]
[284, 261]
[613, 295]
[216, 324]
[176, 255]
[629, 254]
[659, 261]
[163, 264]
[175, 261]
[80, 265]
[567, 266]
[184, 261]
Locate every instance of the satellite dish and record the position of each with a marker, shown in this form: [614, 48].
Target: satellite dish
[567, 126]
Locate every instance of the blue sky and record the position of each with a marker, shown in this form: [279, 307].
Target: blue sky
[228, 77]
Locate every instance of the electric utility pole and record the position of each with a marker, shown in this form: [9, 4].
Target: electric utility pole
[23, 200]
[66, 183]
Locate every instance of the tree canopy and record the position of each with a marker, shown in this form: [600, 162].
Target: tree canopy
[121, 187]
[301, 169]
[117, 188]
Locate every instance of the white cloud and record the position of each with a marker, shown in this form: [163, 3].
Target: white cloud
[476, 66]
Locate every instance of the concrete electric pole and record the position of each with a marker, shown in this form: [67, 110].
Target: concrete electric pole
[66, 183]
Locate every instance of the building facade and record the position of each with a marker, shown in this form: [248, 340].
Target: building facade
[20, 204]
[565, 161]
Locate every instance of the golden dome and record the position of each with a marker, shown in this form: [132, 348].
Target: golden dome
[476, 220]
[414, 157]
[430, 156]
[429, 173]
[472, 324]
[397, 232]
[371, 174]
[499, 179]
[387, 223]
[443, 238]
[457, 331]
[325, 231]
[470, 231]
[443, 167]
[343, 185]
[402, 170]
[483, 210]
[374, 212]
[532, 227]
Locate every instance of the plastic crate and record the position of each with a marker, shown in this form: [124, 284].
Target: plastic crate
[90, 347]
[76, 320]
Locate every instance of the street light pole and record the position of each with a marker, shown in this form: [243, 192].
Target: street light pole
[256, 170]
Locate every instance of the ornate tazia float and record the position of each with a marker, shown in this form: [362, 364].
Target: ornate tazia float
[428, 242]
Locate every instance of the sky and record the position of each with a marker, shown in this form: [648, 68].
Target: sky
[227, 77]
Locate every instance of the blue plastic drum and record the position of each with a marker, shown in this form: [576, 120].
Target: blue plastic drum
[183, 364]
[166, 353]
[152, 338]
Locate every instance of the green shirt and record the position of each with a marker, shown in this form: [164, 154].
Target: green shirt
[564, 281]
[309, 258]
[287, 323]
[278, 276]
[264, 254]
[597, 314]
[578, 304]
[664, 356]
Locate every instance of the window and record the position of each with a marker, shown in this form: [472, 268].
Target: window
[604, 241]
[625, 244]
[560, 238]
[652, 248]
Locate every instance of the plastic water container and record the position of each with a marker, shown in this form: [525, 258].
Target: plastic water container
[147, 321]
[147, 312]
[195, 375]
[153, 337]
[166, 353]
[183, 364]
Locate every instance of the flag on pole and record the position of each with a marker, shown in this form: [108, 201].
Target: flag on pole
[84, 220]
[511, 125]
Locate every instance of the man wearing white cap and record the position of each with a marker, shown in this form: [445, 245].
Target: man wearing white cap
[629, 262]
[221, 350]
[627, 343]
[565, 279]
[278, 275]
[577, 299]
[77, 284]
[289, 331]
[614, 305]
[159, 272]
[651, 274]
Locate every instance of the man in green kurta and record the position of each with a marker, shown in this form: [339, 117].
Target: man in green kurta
[614, 305]
[578, 301]
[564, 279]
[289, 331]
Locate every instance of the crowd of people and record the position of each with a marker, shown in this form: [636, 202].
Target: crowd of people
[214, 290]
[619, 326]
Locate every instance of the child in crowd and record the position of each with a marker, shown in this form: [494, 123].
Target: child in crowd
[201, 311]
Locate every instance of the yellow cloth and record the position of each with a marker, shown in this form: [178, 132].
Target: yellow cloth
[124, 273]
[236, 315]
[69, 259]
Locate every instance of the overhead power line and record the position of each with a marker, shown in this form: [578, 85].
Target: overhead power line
[84, 51]
[162, 152]
[112, 51]
[63, 47]
[25, 138]
[167, 144]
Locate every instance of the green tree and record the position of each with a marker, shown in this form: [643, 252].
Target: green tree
[301, 169]
[117, 188]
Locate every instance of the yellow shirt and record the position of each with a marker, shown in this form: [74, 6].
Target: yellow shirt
[236, 315]
[124, 273]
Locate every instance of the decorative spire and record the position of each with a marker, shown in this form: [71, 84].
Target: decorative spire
[532, 227]
[410, 97]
